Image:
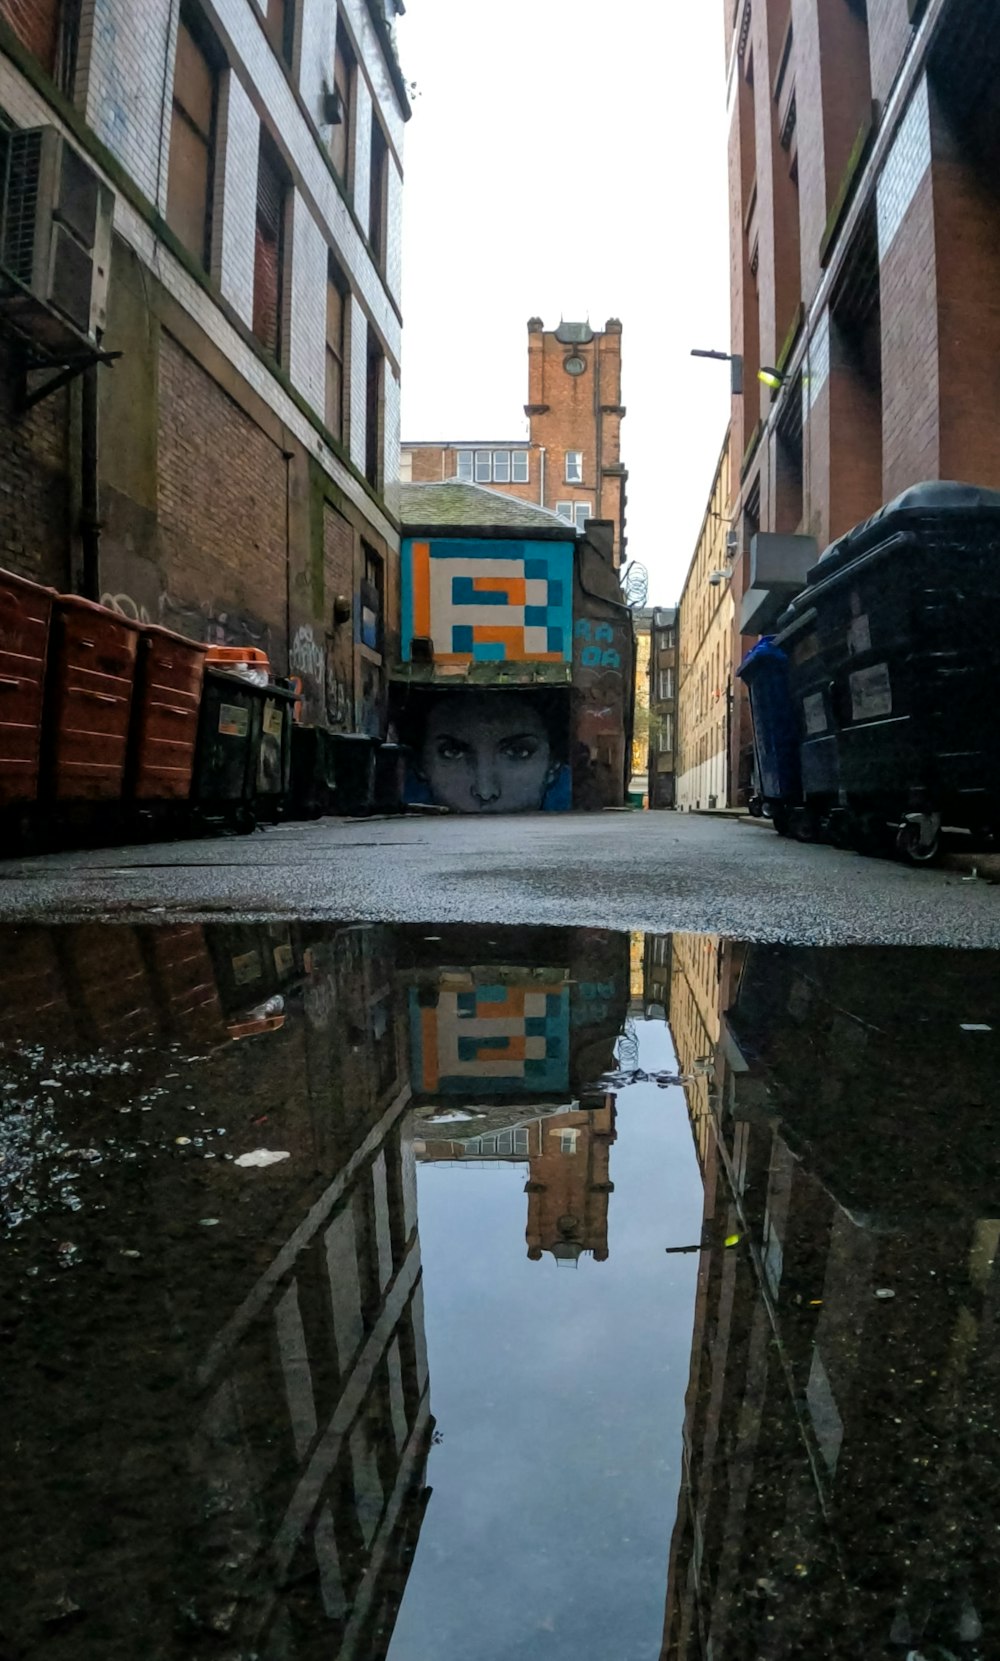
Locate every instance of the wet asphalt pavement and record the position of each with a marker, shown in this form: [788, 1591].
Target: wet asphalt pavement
[656, 872]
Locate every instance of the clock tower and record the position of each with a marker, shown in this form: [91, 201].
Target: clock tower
[575, 412]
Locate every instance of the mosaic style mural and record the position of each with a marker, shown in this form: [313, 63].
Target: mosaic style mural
[488, 602]
[477, 1040]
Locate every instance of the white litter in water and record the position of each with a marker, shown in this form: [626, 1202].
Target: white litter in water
[261, 1156]
[975, 1026]
[885, 1292]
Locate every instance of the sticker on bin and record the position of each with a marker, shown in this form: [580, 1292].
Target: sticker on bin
[247, 967]
[234, 722]
[284, 959]
[871, 693]
[859, 636]
[814, 711]
[273, 718]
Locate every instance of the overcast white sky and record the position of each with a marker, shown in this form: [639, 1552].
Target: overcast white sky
[568, 158]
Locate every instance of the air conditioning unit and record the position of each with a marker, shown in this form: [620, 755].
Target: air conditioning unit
[56, 219]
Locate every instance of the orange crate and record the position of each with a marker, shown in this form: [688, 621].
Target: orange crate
[87, 722]
[25, 618]
[167, 702]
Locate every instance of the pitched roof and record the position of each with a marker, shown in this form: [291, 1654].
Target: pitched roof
[453, 505]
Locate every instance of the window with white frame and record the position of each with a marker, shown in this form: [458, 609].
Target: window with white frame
[519, 466]
[484, 467]
[574, 466]
[666, 741]
[501, 467]
[493, 466]
[665, 683]
[568, 1140]
[582, 512]
[565, 511]
[465, 466]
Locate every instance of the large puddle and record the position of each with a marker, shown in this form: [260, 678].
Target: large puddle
[453, 1294]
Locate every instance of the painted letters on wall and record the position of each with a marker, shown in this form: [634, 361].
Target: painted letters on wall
[488, 602]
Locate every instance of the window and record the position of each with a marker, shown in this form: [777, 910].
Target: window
[501, 467]
[568, 1140]
[374, 397]
[269, 249]
[666, 738]
[50, 30]
[192, 140]
[493, 466]
[372, 599]
[337, 301]
[280, 26]
[465, 466]
[565, 511]
[574, 466]
[378, 179]
[665, 683]
[519, 466]
[484, 467]
[344, 72]
[582, 512]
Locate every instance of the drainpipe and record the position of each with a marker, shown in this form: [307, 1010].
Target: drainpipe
[541, 475]
[90, 499]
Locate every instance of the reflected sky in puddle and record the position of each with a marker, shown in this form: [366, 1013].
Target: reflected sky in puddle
[691, 1353]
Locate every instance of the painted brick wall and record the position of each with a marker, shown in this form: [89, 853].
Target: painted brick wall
[307, 338]
[392, 425]
[362, 151]
[359, 372]
[236, 196]
[222, 507]
[34, 490]
[130, 66]
[394, 232]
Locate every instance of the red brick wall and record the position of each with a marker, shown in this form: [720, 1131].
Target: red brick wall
[222, 500]
[338, 579]
[910, 400]
[889, 37]
[34, 484]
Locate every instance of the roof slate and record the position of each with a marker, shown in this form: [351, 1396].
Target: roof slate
[451, 504]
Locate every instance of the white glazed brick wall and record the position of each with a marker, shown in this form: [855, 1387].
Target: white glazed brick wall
[359, 384]
[362, 151]
[390, 460]
[130, 61]
[307, 321]
[235, 215]
[819, 359]
[317, 34]
[707, 779]
[260, 70]
[370, 55]
[905, 167]
[394, 233]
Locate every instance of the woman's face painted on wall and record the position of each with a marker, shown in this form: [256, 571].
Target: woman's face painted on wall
[487, 755]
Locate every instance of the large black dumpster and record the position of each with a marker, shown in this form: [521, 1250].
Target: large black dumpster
[354, 765]
[241, 772]
[893, 659]
[314, 780]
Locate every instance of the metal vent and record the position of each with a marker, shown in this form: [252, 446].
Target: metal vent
[72, 279]
[79, 196]
[20, 205]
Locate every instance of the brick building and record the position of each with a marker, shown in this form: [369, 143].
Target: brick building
[249, 152]
[864, 215]
[662, 760]
[571, 461]
[705, 650]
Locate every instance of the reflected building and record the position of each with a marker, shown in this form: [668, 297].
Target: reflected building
[244, 1444]
[840, 1433]
[504, 1054]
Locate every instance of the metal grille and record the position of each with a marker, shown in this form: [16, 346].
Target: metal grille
[18, 223]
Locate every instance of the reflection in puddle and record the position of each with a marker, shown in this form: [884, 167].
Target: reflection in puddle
[222, 1348]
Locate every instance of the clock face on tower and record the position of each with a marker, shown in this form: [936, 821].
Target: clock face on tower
[574, 364]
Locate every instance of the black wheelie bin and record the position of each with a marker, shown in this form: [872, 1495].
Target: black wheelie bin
[893, 656]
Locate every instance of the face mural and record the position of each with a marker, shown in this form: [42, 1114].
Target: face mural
[490, 753]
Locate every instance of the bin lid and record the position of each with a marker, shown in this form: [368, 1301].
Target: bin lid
[934, 499]
[76, 602]
[763, 653]
[171, 634]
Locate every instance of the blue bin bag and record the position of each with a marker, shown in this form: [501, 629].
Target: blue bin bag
[775, 730]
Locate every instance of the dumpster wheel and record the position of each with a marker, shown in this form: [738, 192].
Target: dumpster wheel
[919, 843]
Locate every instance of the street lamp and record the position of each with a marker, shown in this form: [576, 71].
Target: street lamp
[735, 362]
[771, 377]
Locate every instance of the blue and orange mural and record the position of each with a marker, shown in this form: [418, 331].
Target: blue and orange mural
[488, 602]
[480, 1040]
